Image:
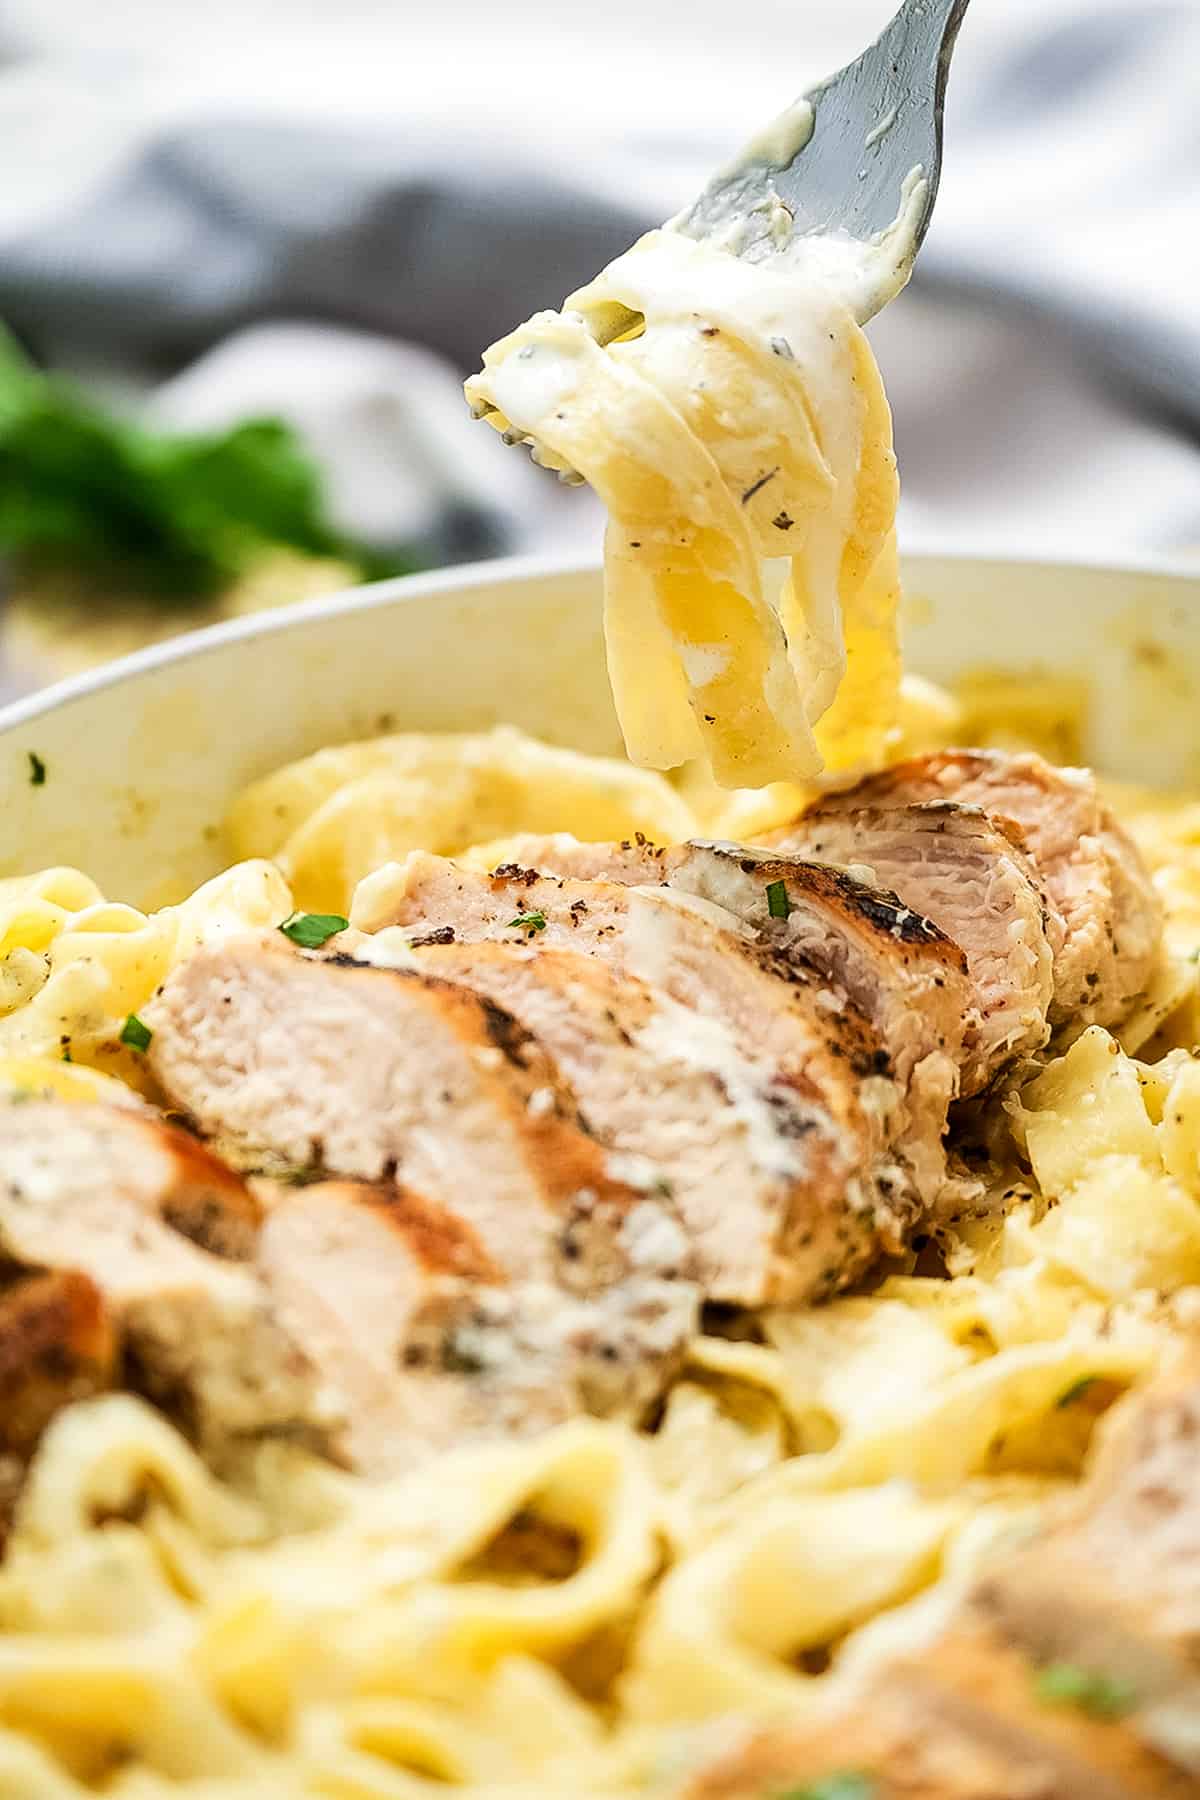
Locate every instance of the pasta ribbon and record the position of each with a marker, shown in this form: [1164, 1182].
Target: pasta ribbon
[738, 433]
[584, 1614]
[83, 964]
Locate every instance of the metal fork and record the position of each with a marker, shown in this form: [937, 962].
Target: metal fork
[861, 136]
[849, 158]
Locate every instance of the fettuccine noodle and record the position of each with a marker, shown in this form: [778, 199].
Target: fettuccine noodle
[742, 445]
[587, 1612]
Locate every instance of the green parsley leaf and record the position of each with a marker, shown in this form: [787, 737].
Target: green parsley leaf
[1076, 1391]
[778, 904]
[534, 921]
[135, 1033]
[311, 930]
[849, 1785]
[1066, 1684]
[37, 769]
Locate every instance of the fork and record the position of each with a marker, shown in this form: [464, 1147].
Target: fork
[855, 155]
[854, 162]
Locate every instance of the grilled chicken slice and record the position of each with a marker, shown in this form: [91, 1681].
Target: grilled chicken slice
[50, 1147]
[902, 973]
[57, 1344]
[294, 1060]
[652, 1095]
[895, 966]
[962, 870]
[844, 927]
[1114, 1584]
[636, 861]
[960, 1722]
[1091, 873]
[1070, 1670]
[805, 1069]
[378, 1285]
[157, 1225]
[427, 1345]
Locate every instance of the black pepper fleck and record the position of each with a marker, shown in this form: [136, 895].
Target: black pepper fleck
[757, 486]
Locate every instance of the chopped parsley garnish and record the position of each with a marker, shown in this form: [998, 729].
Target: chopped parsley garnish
[534, 921]
[135, 1033]
[778, 904]
[849, 1785]
[1076, 1391]
[311, 930]
[1066, 1684]
[37, 769]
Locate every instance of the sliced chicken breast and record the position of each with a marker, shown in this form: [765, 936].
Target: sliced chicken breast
[1114, 1583]
[156, 1225]
[806, 1068]
[1069, 1670]
[62, 1164]
[376, 1284]
[293, 1060]
[894, 965]
[427, 1345]
[635, 861]
[670, 1121]
[962, 870]
[1091, 873]
[889, 957]
[961, 1722]
[57, 1344]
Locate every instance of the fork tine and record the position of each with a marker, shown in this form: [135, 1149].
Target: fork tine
[858, 158]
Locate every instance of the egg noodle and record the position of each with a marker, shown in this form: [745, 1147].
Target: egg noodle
[593, 1611]
[743, 448]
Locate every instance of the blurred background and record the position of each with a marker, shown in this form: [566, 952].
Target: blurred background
[247, 253]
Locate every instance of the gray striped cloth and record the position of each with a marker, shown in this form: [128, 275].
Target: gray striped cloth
[1044, 366]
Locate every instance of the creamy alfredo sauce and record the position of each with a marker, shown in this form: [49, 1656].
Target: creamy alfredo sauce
[728, 410]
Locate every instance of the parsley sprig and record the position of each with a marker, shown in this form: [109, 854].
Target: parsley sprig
[173, 517]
